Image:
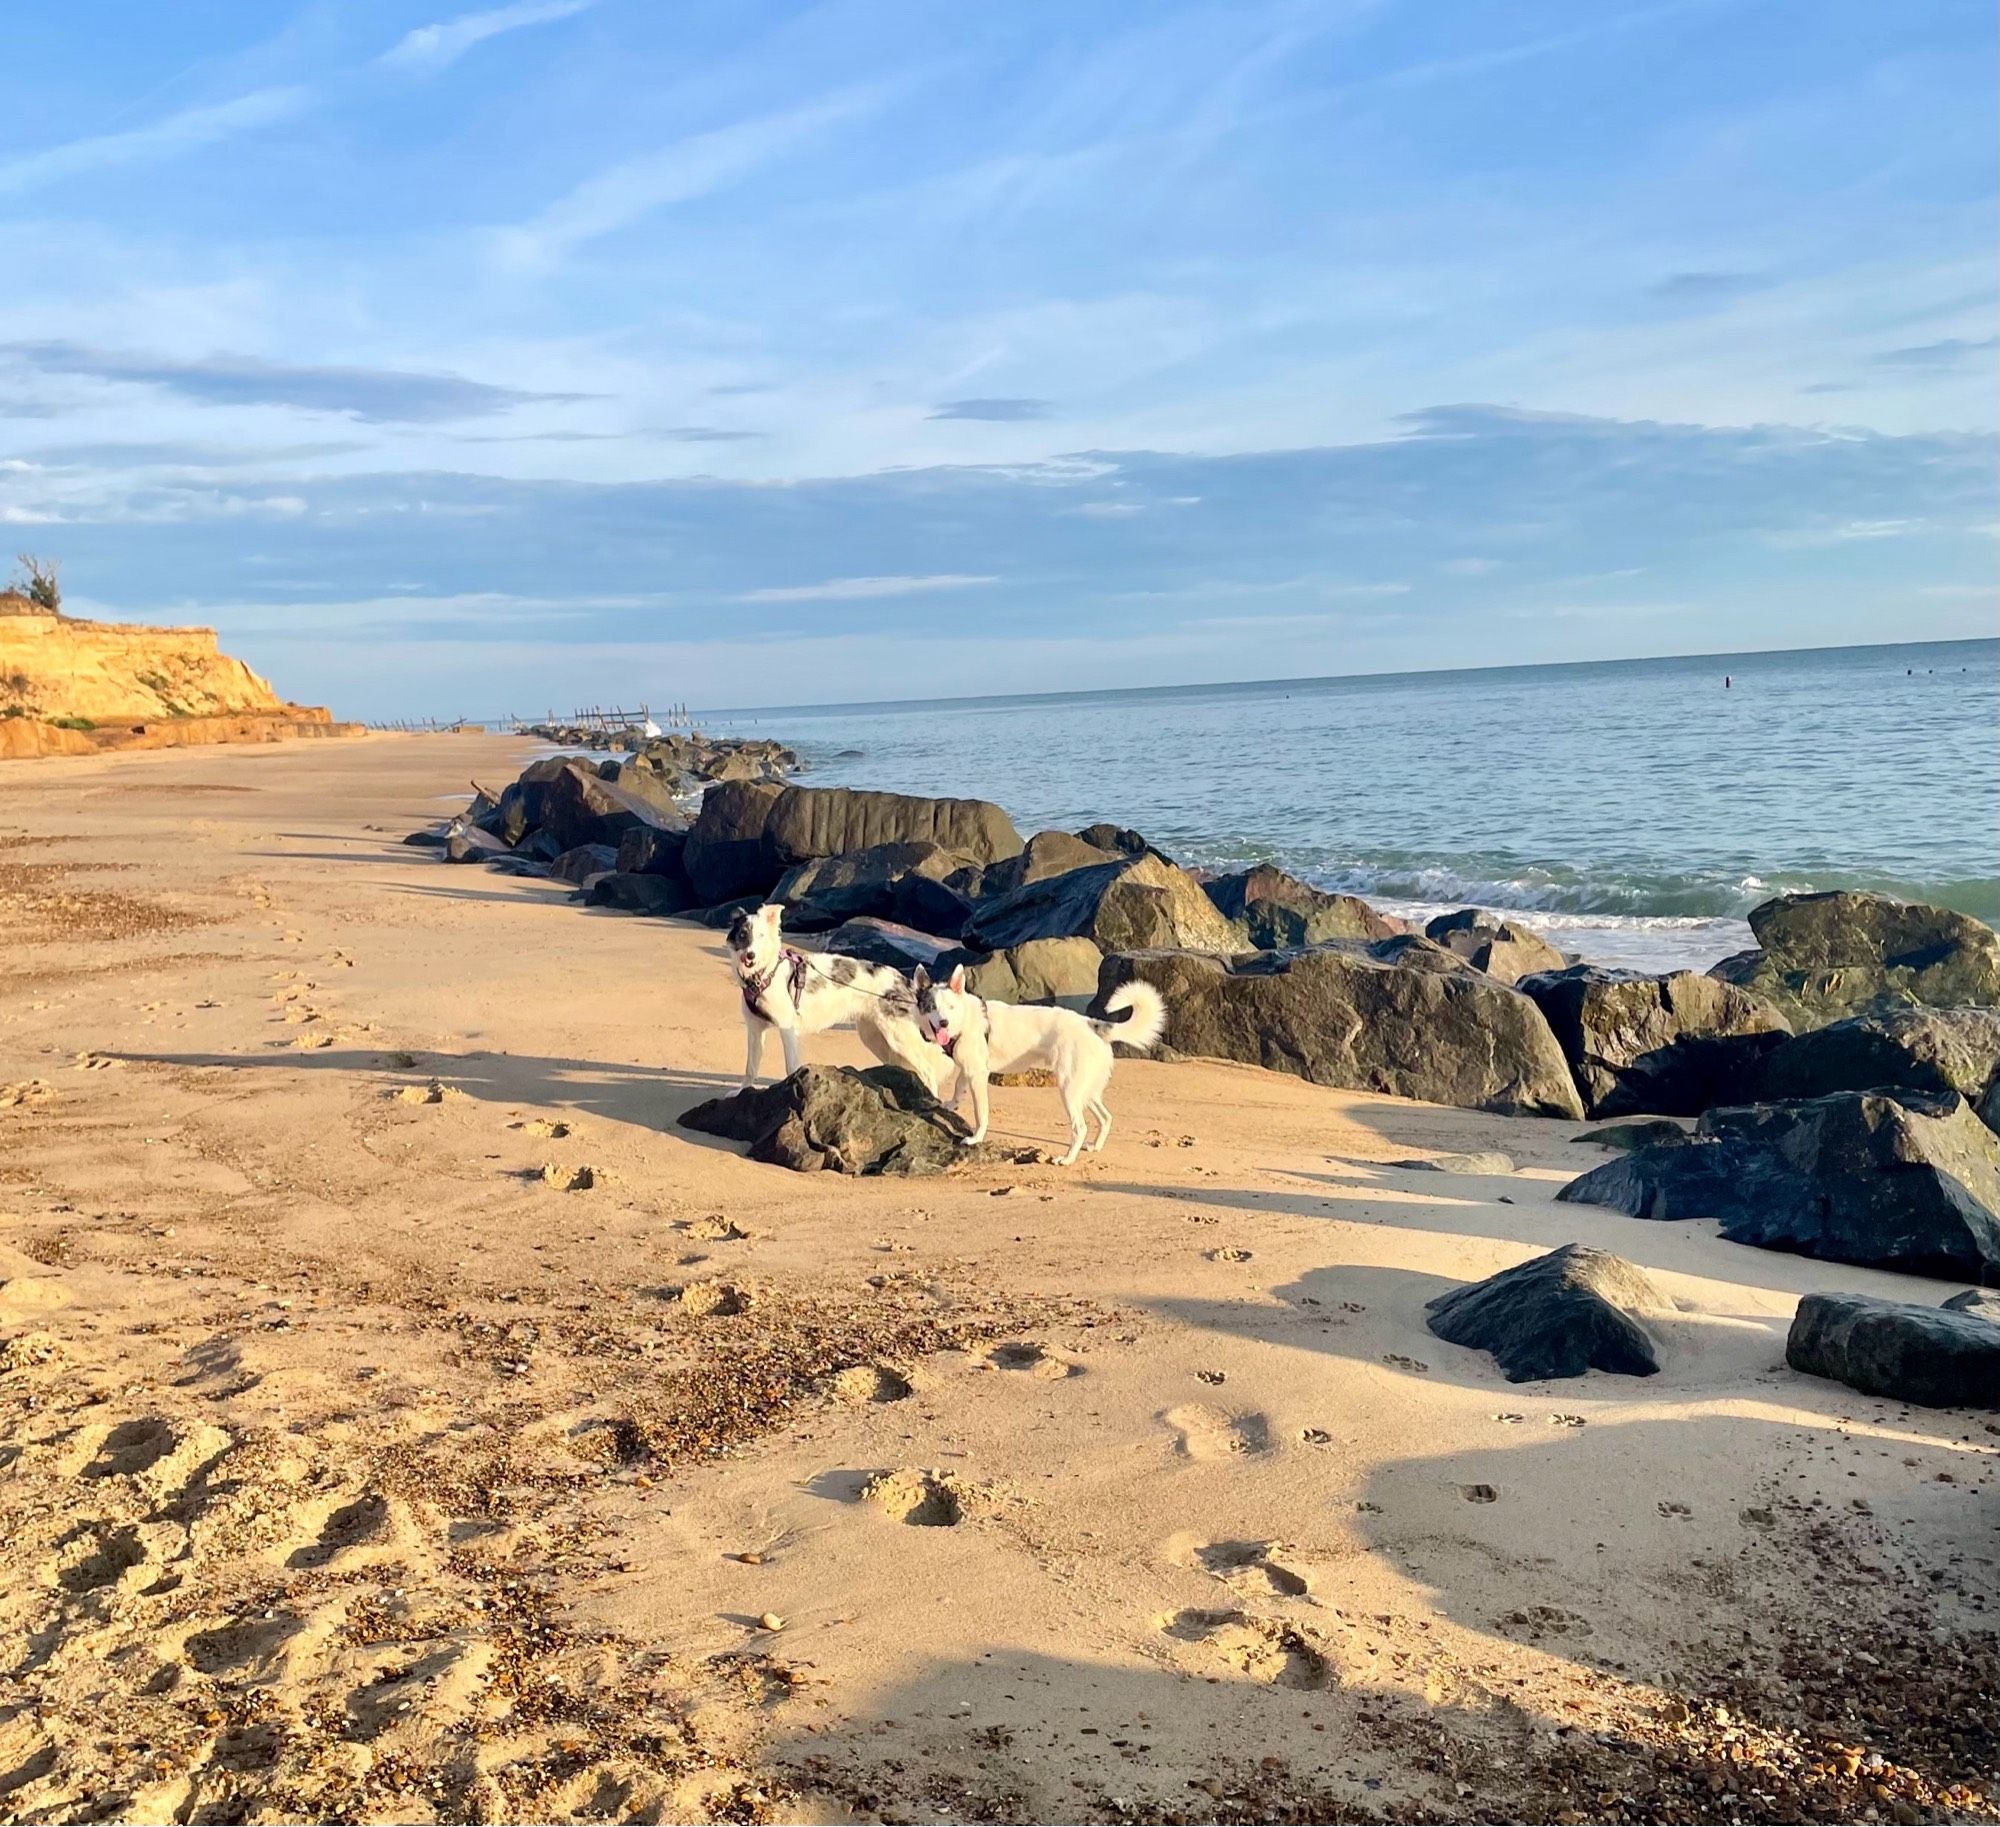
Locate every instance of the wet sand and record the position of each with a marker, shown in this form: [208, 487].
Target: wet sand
[350, 1469]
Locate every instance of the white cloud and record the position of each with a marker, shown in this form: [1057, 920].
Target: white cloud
[433, 47]
[177, 133]
[689, 168]
[859, 589]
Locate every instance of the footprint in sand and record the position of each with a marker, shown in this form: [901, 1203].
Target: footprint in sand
[925, 1500]
[715, 1229]
[550, 1129]
[570, 1179]
[96, 1062]
[1208, 1433]
[862, 1383]
[350, 1532]
[25, 1094]
[1249, 1568]
[97, 1555]
[1265, 1649]
[1019, 1355]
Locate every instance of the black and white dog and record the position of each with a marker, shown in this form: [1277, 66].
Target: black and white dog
[983, 1037]
[808, 992]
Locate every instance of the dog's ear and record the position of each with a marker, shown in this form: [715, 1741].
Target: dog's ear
[957, 984]
[922, 979]
[770, 913]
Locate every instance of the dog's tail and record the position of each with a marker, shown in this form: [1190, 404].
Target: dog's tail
[1134, 1015]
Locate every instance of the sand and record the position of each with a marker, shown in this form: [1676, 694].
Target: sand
[363, 1458]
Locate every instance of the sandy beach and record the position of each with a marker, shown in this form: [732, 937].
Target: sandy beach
[351, 1469]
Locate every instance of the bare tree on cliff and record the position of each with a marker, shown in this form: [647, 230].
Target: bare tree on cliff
[37, 581]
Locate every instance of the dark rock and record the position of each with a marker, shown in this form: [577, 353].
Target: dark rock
[1981, 1303]
[1562, 1314]
[1278, 912]
[808, 822]
[829, 889]
[723, 915]
[514, 863]
[581, 807]
[1897, 1350]
[1346, 1017]
[468, 844]
[874, 1121]
[1457, 1164]
[1908, 1049]
[724, 857]
[1493, 945]
[649, 850]
[433, 839]
[1910, 1181]
[1131, 905]
[1050, 853]
[643, 894]
[1120, 839]
[524, 804]
[1825, 956]
[1652, 1132]
[902, 948]
[583, 862]
[1672, 1045]
[539, 847]
[1415, 952]
[933, 906]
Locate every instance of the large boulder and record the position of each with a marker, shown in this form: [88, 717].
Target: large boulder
[1037, 970]
[1496, 946]
[1673, 1045]
[874, 941]
[806, 822]
[1910, 1181]
[1278, 912]
[1573, 1310]
[583, 862]
[1050, 853]
[1981, 1303]
[826, 890]
[1898, 1350]
[724, 857]
[523, 802]
[641, 894]
[1120, 840]
[1907, 1049]
[1343, 1016]
[1825, 956]
[647, 850]
[582, 807]
[877, 1120]
[1134, 904]
[466, 843]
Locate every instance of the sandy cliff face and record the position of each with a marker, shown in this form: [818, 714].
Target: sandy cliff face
[52, 667]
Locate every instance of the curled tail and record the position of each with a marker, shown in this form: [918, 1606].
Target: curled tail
[1133, 1015]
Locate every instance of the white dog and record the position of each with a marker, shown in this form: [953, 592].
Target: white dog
[806, 993]
[983, 1037]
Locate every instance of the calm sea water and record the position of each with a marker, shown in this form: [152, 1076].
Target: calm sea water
[1633, 810]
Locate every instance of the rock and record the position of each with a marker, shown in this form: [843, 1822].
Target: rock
[1898, 1350]
[724, 855]
[1672, 1045]
[1346, 1017]
[1039, 970]
[649, 850]
[1655, 1132]
[538, 847]
[643, 894]
[523, 805]
[1562, 1314]
[433, 838]
[1133, 905]
[829, 889]
[875, 1121]
[1417, 953]
[1458, 1164]
[1910, 1181]
[1981, 1303]
[808, 822]
[1825, 956]
[584, 808]
[1493, 945]
[468, 844]
[1279, 912]
[1911, 1049]
[1121, 839]
[902, 948]
[1050, 853]
[585, 861]
[933, 906]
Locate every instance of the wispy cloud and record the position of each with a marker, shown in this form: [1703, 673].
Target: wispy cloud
[1952, 352]
[433, 47]
[382, 395]
[862, 589]
[175, 134]
[1705, 288]
[1003, 411]
[697, 166]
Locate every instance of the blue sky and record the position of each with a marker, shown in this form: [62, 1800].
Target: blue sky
[748, 353]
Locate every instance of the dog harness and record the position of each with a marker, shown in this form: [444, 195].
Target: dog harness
[793, 965]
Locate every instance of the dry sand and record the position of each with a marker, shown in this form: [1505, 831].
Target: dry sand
[350, 1469]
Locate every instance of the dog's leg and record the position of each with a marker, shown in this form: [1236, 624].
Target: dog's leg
[1102, 1111]
[976, 1078]
[1075, 1105]
[788, 1038]
[754, 1028]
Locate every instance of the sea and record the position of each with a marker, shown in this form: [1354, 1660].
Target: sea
[1633, 811]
